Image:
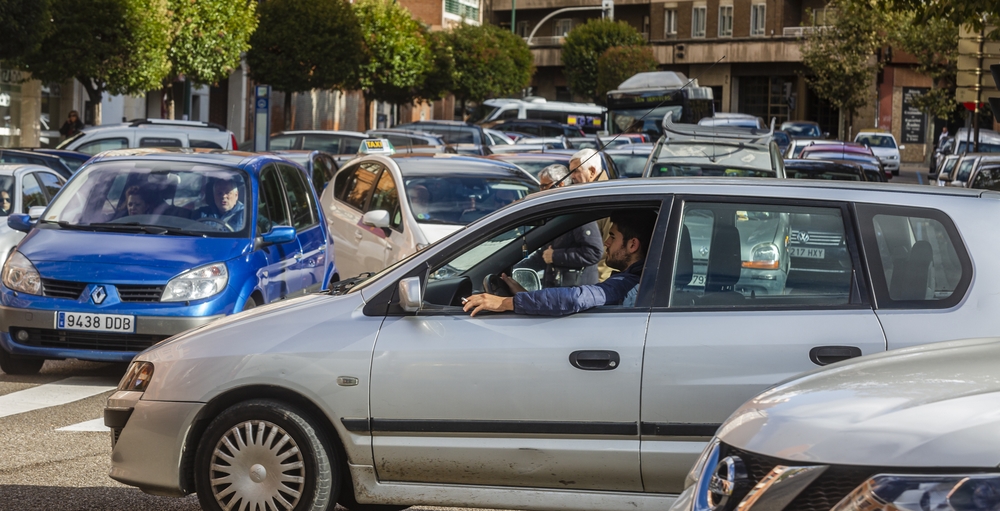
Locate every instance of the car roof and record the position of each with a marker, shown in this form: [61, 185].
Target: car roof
[447, 165]
[439, 122]
[320, 132]
[185, 154]
[9, 169]
[43, 156]
[531, 156]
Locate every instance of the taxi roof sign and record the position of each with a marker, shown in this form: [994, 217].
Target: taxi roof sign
[376, 146]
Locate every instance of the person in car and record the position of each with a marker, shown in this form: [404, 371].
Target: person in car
[225, 204]
[626, 251]
[138, 201]
[6, 204]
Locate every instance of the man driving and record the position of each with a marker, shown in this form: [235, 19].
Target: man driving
[226, 204]
[626, 248]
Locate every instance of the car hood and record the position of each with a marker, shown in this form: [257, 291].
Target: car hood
[883, 152]
[434, 232]
[932, 405]
[66, 255]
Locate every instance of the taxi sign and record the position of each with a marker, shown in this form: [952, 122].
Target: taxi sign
[376, 146]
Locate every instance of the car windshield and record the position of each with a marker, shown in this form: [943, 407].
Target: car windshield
[706, 159]
[460, 200]
[65, 143]
[534, 165]
[154, 197]
[630, 165]
[802, 130]
[949, 165]
[837, 155]
[876, 141]
[481, 113]
[642, 120]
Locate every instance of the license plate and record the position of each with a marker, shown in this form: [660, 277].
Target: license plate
[697, 280]
[808, 253]
[95, 322]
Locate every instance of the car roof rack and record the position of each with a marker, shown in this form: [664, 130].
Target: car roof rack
[724, 133]
[174, 122]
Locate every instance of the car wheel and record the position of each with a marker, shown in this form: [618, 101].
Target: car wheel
[895, 172]
[12, 364]
[249, 304]
[262, 454]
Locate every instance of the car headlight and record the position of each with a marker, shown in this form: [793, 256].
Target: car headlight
[973, 492]
[201, 282]
[764, 256]
[20, 275]
[137, 377]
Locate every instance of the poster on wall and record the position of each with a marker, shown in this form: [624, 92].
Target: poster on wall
[914, 126]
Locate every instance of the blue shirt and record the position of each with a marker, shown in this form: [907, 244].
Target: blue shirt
[233, 218]
[559, 301]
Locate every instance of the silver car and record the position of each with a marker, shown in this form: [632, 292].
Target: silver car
[391, 394]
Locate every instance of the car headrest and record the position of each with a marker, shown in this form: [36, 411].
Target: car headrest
[685, 260]
[724, 260]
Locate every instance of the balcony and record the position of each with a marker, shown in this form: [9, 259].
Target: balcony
[461, 9]
[546, 41]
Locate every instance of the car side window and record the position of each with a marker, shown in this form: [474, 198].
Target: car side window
[204, 144]
[354, 185]
[51, 182]
[349, 145]
[322, 171]
[283, 142]
[31, 193]
[987, 179]
[300, 199]
[386, 197]
[271, 209]
[761, 255]
[920, 262]
[326, 143]
[159, 142]
[105, 144]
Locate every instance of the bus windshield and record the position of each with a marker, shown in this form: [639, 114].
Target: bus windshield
[643, 111]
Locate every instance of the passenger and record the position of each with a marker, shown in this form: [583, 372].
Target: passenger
[139, 201]
[226, 204]
[626, 251]
[6, 205]
[420, 199]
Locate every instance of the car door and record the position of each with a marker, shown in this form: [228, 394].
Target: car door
[386, 198]
[272, 211]
[309, 265]
[356, 247]
[761, 290]
[507, 399]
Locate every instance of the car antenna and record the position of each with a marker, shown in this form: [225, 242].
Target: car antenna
[658, 105]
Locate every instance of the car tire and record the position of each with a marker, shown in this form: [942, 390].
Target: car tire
[249, 304]
[257, 438]
[14, 365]
[895, 172]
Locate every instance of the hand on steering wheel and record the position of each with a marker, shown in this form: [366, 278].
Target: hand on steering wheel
[217, 223]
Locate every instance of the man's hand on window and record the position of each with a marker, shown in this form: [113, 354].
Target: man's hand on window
[515, 286]
[485, 302]
[547, 255]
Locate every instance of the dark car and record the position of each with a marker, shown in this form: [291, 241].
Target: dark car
[869, 162]
[824, 170]
[72, 159]
[539, 128]
[320, 166]
[783, 139]
[45, 160]
[533, 163]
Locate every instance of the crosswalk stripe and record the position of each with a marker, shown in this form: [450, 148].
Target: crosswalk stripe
[53, 394]
[91, 425]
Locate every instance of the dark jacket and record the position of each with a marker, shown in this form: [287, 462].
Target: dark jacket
[69, 129]
[574, 257]
[234, 218]
[559, 301]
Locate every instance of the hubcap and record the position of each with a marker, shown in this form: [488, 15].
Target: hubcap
[257, 465]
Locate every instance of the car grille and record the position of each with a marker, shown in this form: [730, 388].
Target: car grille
[129, 293]
[824, 239]
[49, 338]
[62, 288]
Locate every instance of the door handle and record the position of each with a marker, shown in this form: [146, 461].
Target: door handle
[826, 355]
[594, 360]
[358, 235]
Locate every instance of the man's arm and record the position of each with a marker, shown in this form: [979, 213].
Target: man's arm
[558, 301]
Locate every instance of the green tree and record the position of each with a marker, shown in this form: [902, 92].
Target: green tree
[620, 63]
[23, 24]
[934, 44]
[585, 44]
[301, 45]
[396, 54]
[114, 46]
[439, 79]
[489, 62]
[956, 12]
[209, 36]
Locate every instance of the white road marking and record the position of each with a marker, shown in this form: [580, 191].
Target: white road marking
[53, 394]
[91, 425]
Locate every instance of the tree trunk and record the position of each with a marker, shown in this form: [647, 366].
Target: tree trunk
[168, 100]
[288, 111]
[368, 113]
[94, 94]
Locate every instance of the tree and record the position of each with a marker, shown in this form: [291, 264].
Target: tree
[489, 62]
[396, 55]
[208, 37]
[585, 44]
[439, 79]
[618, 64]
[114, 46]
[977, 13]
[934, 43]
[301, 45]
[22, 23]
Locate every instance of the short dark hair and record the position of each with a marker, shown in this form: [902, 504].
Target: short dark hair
[636, 224]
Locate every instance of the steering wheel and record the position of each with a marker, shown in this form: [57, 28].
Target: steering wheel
[494, 285]
[216, 223]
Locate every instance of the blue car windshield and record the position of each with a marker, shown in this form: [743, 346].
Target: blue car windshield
[154, 197]
[460, 200]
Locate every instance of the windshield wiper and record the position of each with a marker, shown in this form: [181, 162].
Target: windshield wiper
[343, 286]
[138, 226]
[436, 222]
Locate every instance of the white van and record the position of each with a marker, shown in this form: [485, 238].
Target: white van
[588, 116]
[151, 133]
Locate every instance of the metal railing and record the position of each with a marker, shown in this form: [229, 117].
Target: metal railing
[547, 41]
[460, 9]
[799, 31]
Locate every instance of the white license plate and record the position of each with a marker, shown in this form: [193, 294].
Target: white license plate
[95, 322]
[808, 253]
[697, 280]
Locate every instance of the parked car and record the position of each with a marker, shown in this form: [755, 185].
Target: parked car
[911, 429]
[150, 133]
[145, 244]
[847, 153]
[383, 208]
[803, 130]
[968, 166]
[736, 120]
[687, 150]
[986, 177]
[783, 140]
[456, 133]
[539, 128]
[884, 146]
[319, 166]
[630, 159]
[534, 162]
[945, 171]
[22, 187]
[34, 158]
[398, 377]
[796, 146]
[402, 140]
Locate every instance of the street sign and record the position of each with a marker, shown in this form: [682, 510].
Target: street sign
[262, 118]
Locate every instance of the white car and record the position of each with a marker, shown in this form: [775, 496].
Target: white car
[27, 186]
[884, 146]
[383, 208]
[150, 133]
[909, 430]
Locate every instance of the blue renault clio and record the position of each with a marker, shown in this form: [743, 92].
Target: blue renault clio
[144, 244]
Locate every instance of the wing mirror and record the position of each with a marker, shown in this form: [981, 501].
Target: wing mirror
[377, 218]
[276, 236]
[409, 294]
[20, 222]
[527, 277]
[902, 147]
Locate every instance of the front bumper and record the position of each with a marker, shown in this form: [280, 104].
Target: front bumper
[45, 341]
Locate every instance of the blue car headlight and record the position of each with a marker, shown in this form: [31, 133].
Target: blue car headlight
[20, 275]
[201, 282]
[953, 492]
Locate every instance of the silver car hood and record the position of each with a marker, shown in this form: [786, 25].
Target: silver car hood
[935, 405]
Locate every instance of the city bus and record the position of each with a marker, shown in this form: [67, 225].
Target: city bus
[641, 102]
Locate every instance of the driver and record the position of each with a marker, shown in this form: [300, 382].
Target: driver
[226, 204]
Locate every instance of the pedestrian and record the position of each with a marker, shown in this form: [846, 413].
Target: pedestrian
[72, 126]
[944, 135]
[585, 166]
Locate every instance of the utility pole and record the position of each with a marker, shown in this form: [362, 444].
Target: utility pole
[513, 17]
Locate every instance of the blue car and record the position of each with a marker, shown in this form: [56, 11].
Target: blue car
[139, 247]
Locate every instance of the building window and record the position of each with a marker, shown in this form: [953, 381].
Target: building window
[725, 21]
[758, 19]
[563, 27]
[670, 23]
[468, 9]
[523, 28]
[698, 21]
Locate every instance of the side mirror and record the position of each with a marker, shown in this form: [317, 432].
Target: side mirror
[376, 218]
[35, 212]
[527, 277]
[409, 294]
[902, 147]
[276, 236]
[20, 222]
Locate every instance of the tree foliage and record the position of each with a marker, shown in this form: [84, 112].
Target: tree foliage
[934, 44]
[439, 79]
[23, 24]
[976, 13]
[208, 37]
[619, 63]
[396, 54]
[585, 44]
[489, 62]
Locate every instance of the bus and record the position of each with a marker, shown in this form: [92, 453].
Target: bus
[588, 116]
[641, 102]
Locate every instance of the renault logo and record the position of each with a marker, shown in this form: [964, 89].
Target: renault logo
[728, 482]
[98, 295]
